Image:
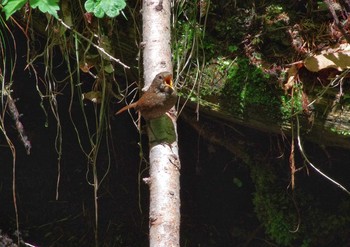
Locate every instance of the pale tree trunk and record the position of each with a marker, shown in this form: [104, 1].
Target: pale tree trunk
[164, 179]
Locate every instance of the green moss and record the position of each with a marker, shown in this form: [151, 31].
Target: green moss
[341, 132]
[320, 224]
[248, 90]
[273, 11]
[273, 207]
[291, 105]
[237, 87]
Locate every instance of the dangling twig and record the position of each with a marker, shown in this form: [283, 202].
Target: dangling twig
[312, 165]
[19, 126]
[94, 45]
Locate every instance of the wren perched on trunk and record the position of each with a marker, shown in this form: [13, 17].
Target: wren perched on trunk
[158, 99]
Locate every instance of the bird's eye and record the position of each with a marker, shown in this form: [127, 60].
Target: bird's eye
[160, 77]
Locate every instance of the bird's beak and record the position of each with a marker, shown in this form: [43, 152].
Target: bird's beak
[169, 81]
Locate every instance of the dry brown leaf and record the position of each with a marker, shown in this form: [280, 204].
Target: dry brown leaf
[292, 73]
[337, 60]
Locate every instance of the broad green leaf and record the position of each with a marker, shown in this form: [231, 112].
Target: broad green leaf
[11, 6]
[114, 10]
[90, 6]
[99, 8]
[94, 96]
[46, 6]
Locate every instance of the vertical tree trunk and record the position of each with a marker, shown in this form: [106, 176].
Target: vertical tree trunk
[164, 180]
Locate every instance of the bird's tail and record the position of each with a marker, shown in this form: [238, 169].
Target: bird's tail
[133, 105]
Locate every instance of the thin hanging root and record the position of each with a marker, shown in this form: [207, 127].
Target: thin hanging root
[292, 165]
[313, 166]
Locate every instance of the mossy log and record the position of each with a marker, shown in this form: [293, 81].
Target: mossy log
[325, 120]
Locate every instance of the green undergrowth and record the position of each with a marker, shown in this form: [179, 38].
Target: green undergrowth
[299, 218]
[245, 58]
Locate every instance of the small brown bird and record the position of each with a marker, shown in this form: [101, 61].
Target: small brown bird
[158, 99]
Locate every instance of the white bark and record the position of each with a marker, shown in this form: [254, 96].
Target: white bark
[156, 38]
[164, 180]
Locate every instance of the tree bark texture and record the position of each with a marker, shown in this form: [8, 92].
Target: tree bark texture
[164, 179]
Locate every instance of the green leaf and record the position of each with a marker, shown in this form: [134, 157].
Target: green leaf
[94, 96]
[90, 6]
[11, 6]
[109, 68]
[238, 182]
[99, 8]
[46, 6]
